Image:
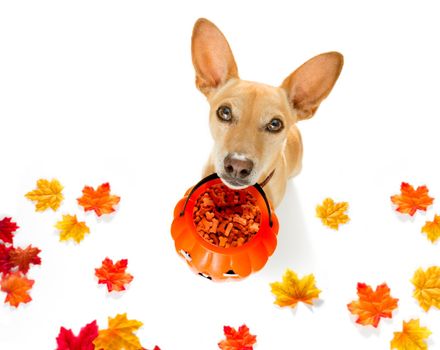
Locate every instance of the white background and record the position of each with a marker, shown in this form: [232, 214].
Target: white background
[97, 91]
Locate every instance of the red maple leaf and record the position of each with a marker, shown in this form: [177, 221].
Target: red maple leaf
[7, 228]
[5, 262]
[237, 340]
[113, 275]
[66, 340]
[22, 258]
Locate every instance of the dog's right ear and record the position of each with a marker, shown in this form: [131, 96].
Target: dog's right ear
[312, 82]
[212, 57]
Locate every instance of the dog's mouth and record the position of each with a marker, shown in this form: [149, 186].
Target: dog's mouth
[233, 183]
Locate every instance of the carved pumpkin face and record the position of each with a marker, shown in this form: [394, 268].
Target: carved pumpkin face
[215, 262]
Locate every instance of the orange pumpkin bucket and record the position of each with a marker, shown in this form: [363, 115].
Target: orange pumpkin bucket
[215, 256]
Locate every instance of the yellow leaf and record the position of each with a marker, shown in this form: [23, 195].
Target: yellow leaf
[427, 285]
[293, 290]
[432, 229]
[119, 334]
[47, 195]
[71, 228]
[412, 337]
[332, 214]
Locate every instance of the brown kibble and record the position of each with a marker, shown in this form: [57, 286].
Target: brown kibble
[213, 228]
[206, 224]
[238, 227]
[226, 217]
[223, 241]
[207, 202]
[239, 220]
[254, 228]
[222, 226]
[209, 215]
[214, 238]
[228, 229]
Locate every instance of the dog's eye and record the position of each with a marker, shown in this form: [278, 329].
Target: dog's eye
[274, 125]
[224, 113]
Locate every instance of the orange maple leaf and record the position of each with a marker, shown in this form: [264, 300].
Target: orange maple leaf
[412, 337]
[101, 201]
[292, 290]
[237, 340]
[71, 228]
[16, 286]
[372, 305]
[432, 229]
[119, 335]
[332, 214]
[410, 200]
[48, 194]
[427, 287]
[113, 275]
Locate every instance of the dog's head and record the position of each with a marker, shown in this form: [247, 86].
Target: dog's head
[250, 121]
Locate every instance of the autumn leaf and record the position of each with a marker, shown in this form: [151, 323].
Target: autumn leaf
[410, 200]
[432, 229]
[427, 291]
[22, 258]
[332, 214]
[5, 261]
[101, 201]
[16, 286]
[113, 275]
[66, 340]
[119, 335]
[71, 228]
[412, 337]
[237, 340]
[372, 305]
[7, 228]
[47, 195]
[293, 290]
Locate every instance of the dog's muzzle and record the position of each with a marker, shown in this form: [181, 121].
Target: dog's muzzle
[236, 171]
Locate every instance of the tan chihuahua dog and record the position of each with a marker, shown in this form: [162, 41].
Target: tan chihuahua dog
[253, 124]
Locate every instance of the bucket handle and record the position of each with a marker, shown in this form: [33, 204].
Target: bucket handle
[215, 176]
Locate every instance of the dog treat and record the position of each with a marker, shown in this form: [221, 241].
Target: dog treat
[226, 217]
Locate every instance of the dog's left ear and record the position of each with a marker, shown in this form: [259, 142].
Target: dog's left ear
[312, 82]
[212, 57]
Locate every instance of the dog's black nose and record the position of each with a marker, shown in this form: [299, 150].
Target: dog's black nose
[238, 167]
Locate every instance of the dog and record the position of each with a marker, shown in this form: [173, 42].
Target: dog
[256, 139]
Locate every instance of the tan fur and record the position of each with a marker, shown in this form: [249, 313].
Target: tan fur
[254, 105]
